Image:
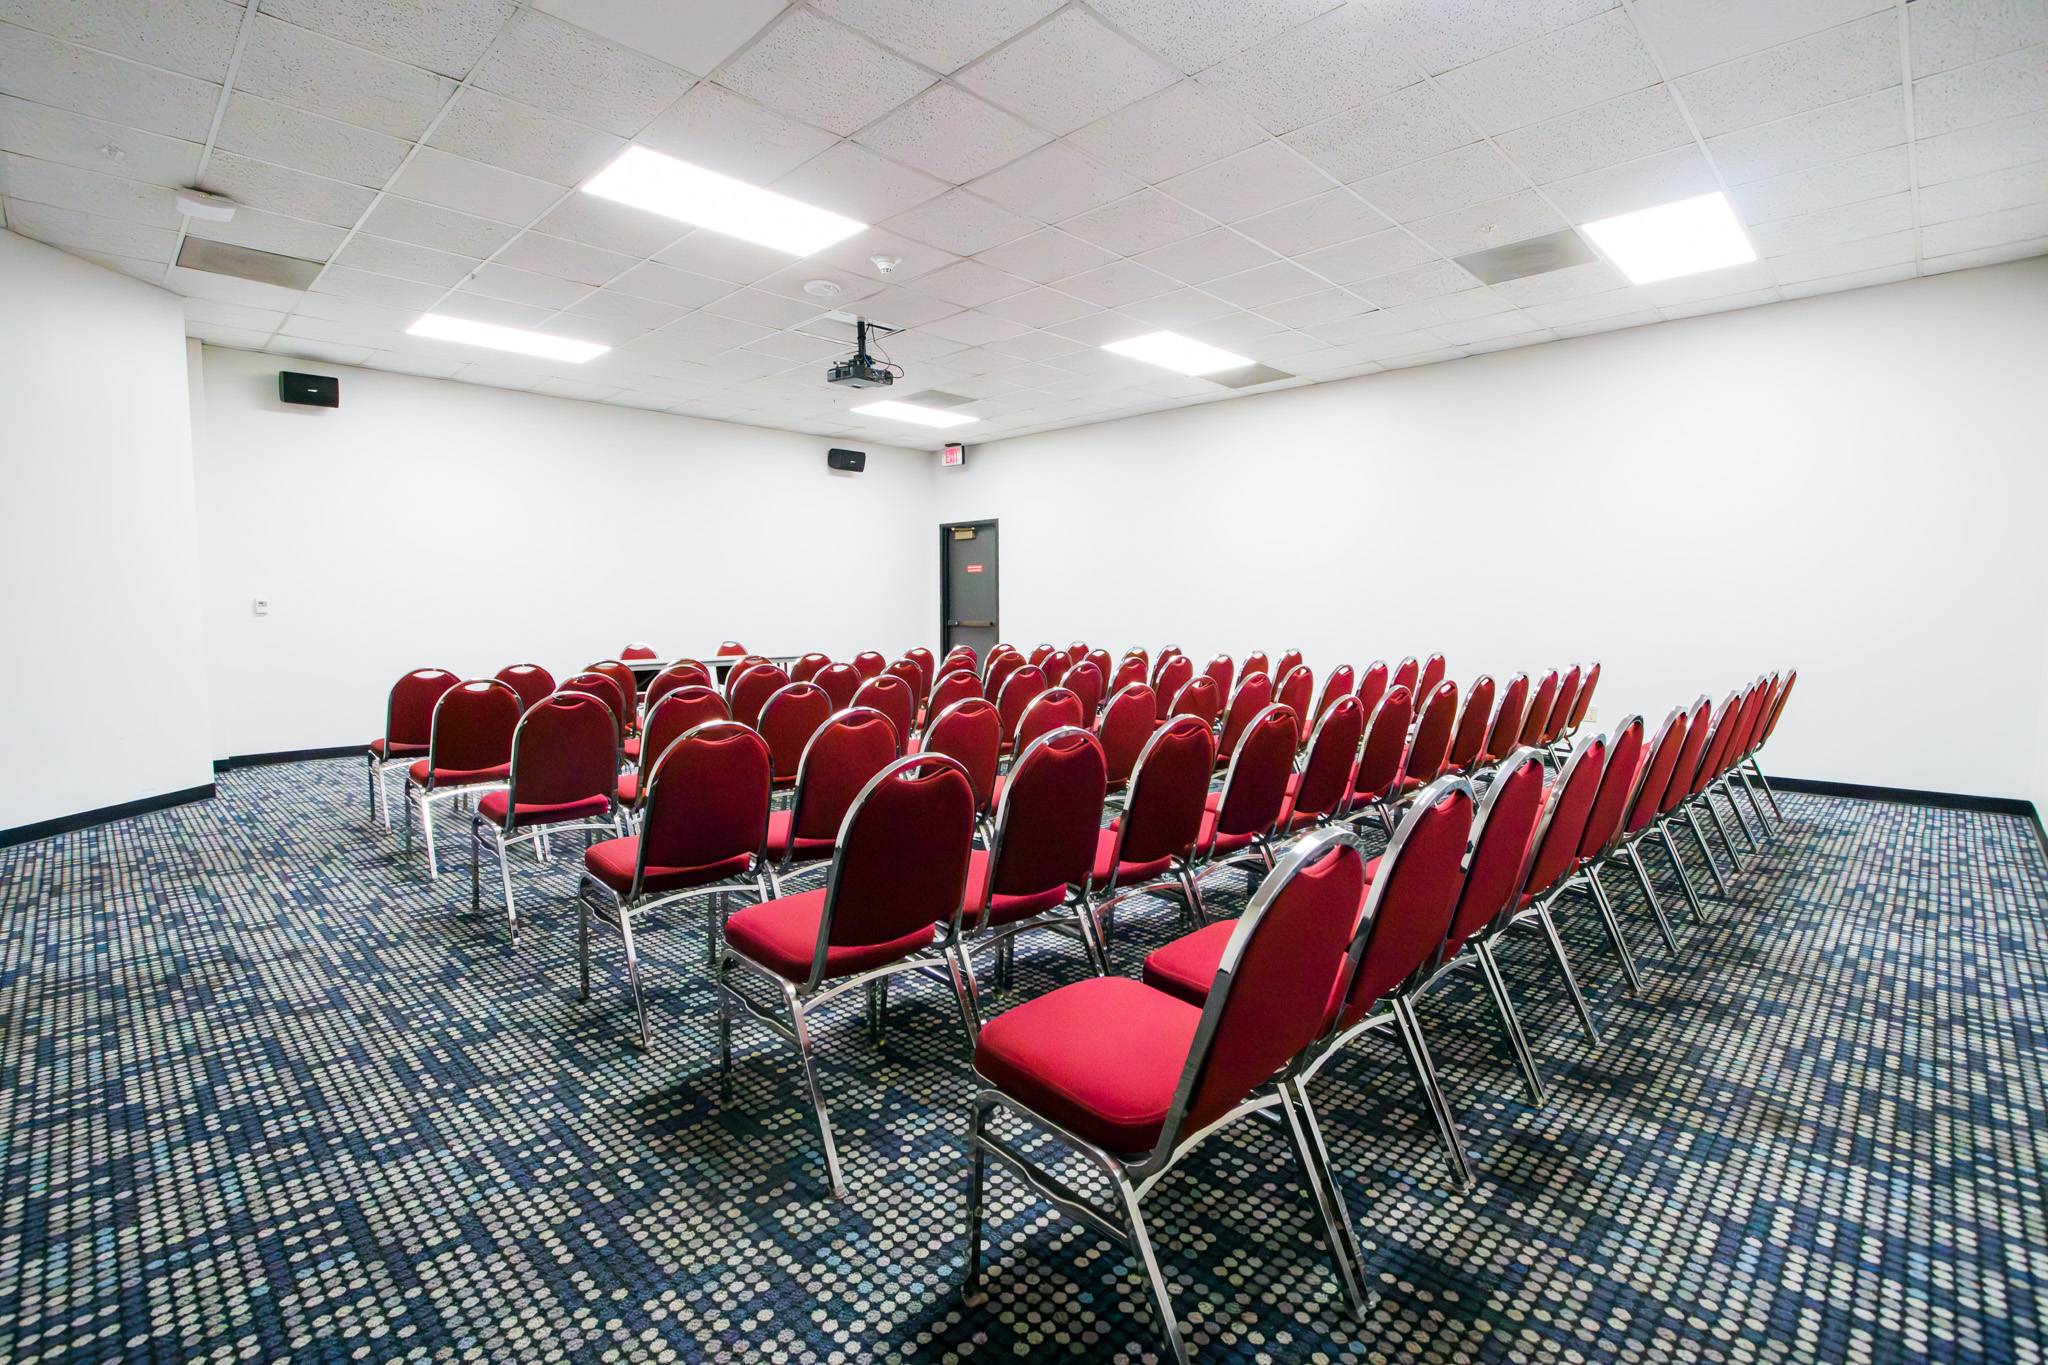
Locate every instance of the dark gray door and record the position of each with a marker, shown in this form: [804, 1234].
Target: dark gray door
[969, 600]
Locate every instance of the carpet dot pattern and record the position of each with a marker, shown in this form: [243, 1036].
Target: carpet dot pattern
[272, 1094]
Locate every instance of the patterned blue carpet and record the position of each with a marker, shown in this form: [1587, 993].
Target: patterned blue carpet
[270, 1094]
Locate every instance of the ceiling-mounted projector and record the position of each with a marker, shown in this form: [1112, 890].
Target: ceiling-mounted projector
[861, 370]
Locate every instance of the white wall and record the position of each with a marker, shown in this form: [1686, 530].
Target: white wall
[1854, 484]
[433, 523]
[104, 683]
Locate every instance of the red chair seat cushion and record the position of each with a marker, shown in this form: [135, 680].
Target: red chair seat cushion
[1101, 1058]
[400, 750]
[611, 862]
[1126, 873]
[459, 777]
[494, 805]
[778, 839]
[1186, 967]
[1005, 909]
[1219, 845]
[782, 935]
[631, 749]
[629, 788]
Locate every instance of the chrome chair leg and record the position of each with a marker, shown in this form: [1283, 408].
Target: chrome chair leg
[1768, 793]
[723, 988]
[1333, 1236]
[1692, 819]
[1735, 855]
[1749, 835]
[1749, 792]
[1141, 1245]
[802, 1029]
[1564, 967]
[1642, 871]
[1348, 1250]
[977, 1184]
[1612, 923]
[1412, 1043]
[633, 974]
[1518, 1042]
[583, 944]
[1692, 895]
[966, 990]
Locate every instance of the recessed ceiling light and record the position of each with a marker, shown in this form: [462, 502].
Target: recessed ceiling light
[911, 412]
[690, 194]
[441, 327]
[1172, 351]
[1683, 238]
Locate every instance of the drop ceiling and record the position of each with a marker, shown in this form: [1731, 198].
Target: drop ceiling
[1291, 180]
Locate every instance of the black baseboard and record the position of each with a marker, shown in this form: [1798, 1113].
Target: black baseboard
[65, 824]
[1909, 796]
[221, 765]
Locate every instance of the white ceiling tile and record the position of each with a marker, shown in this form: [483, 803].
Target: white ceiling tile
[962, 223]
[74, 140]
[444, 229]
[1646, 182]
[900, 308]
[822, 74]
[326, 352]
[1054, 182]
[316, 73]
[1249, 182]
[1594, 277]
[1265, 284]
[456, 182]
[1116, 284]
[1389, 132]
[382, 256]
[192, 38]
[1733, 279]
[1038, 346]
[1370, 256]
[975, 328]
[1872, 253]
[206, 285]
[1634, 125]
[446, 36]
[713, 127]
[390, 314]
[1689, 35]
[307, 142]
[69, 228]
[70, 187]
[1853, 279]
[1469, 175]
[1498, 222]
[1447, 311]
[1040, 307]
[1867, 123]
[279, 189]
[952, 135]
[1449, 33]
[1215, 253]
[695, 37]
[1486, 327]
[1181, 308]
[1329, 218]
[362, 286]
[1425, 281]
[1839, 64]
[613, 226]
[213, 333]
[1046, 255]
[969, 284]
[541, 61]
[790, 282]
[1986, 147]
[575, 388]
[610, 305]
[2016, 83]
[848, 178]
[1324, 305]
[1067, 72]
[942, 34]
[679, 288]
[1193, 34]
[1593, 60]
[1842, 182]
[761, 308]
[272, 232]
[1321, 68]
[1831, 227]
[1613, 303]
[518, 137]
[856, 255]
[721, 257]
[1724, 304]
[796, 346]
[1952, 33]
[704, 330]
[1172, 132]
[1138, 223]
[1986, 230]
[564, 259]
[2008, 188]
[1405, 348]
[1637, 318]
[62, 75]
[1994, 255]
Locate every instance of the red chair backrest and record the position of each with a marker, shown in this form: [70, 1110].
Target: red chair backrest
[847, 751]
[740, 670]
[1729, 722]
[1256, 662]
[1386, 744]
[677, 712]
[565, 749]
[1432, 742]
[927, 669]
[1168, 791]
[1777, 707]
[1289, 661]
[1053, 709]
[1084, 680]
[958, 685]
[606, 690]
[532, 682]
[1254, 694]
[1469, 739]
[681, 673]
[891, 696]
[1507, 720]
[1618, 778]
[791, 715]
[1132, 670]
[1556, 849]
[1285, 959]
[1056, 666]
[1332, 750]
[971, 733]
[1678, 781]
[1433, 672]
[730, 649]
[869, 663]
[1255, 787]
[706, 801]
[840, 682]
[1584, 700]
[1561, 708]
[472, 727]
[409, 708]
[1766, 693]
[1103, 663]
[1000, 667]
[1643, 807]
[1539, 708]
[1372, 684]
[1408, 907]
[1222, 670]
[752, 690]
[1199, 698]
[960, 656]
[638, 650]
[1499, 854]
[1050, 817]
[628, 681]
[1126, 724]
[1407, 673]
[1169, 678]
[900, 864]
[1020, 688]
[1077, 651]
[1343, 678]
[1040, 652]
[906, 671]
[806, 667]
[1297, 689]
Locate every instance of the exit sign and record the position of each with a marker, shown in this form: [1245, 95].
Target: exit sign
[952, 457]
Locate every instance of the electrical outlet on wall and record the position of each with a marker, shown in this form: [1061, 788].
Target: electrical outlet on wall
[260, 606]
[1592, 714]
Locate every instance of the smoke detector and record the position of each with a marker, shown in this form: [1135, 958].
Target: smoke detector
[885, 265]
[214, 208]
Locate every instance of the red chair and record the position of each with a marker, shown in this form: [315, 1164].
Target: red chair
[1020, 688]
[899, 869]
[1133, 1099]
[1077, 651]
[1040, 653]
[969, 732]
[1732, 722]
[840, 682]
[408, 729]
[1201, 700]
[730, 649]
[1768, 696]
[1552, 852]
[1342, 681]
[705, 820]
[1468, 740]
[1053, 709]
[747, 694]
[1539, 708]
[1254, 694]
[1581, 705]
[532, 682]
[869, 663]
[1256, 662]
[1431, 743]
[927, 670]
[681, 673]
[1132, 670]
[1774, 709]
[1289, 661]
[1678, 788]
[1379, 762]
[469, 751]
[564, 771]
[1433, 672]
[1297, 689]
[605, 689]
[959, 656]
[1000, 667]
[1124, 728]
[1561, 708]
[1657, 790]
[629, 687]
[891, 696]
[846, 751]
[1222, 671]
[1318, 792]
[1103, 664]
[1238, 823]
[1408, 674]
[1056, 667]
[958, 685]
[807, 666]
[1084, 680]
[906, 671]
[790, 716]
[638, 650]
[1506, 732]
[1035, 872]
[671, 716]
[1169, 678]
[1372, 685]
[1152, 844]
[1620, 776]
[740, 670]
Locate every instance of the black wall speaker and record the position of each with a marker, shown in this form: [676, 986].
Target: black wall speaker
[852, 461]
[314, 390]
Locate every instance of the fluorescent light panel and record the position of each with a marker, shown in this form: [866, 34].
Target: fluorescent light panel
[1683, 238]
[690, 194]
[911, 412]
[441, 327]
[1172, 351]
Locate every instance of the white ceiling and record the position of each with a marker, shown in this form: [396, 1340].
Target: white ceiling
[1284, 178]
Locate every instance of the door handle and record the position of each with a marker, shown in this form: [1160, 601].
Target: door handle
[974, 625]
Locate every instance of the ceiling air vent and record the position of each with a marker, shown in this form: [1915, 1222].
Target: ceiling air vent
[939, 398]
[1247, 376]
[247, 263]
[1535, 256]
